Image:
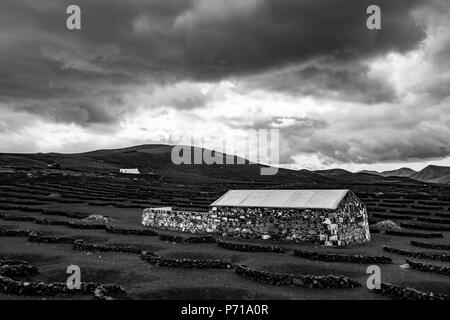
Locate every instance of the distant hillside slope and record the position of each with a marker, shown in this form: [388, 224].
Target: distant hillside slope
[402, 172]
[360, 177]
[435, 174]
[369, 172]
[156, 158]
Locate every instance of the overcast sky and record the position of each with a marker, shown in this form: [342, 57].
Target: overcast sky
[162, 70]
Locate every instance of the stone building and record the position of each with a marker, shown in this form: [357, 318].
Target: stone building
[329, 217]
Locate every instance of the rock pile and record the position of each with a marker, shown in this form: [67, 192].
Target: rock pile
[98, 218]
[308, 281]
[387, 225]
[332, 257]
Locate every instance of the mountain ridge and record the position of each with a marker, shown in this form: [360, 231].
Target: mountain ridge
[156, 159]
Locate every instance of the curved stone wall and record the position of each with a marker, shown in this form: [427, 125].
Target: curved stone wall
[308, 281]
[405, 293]
[332, 257]
[428, 267]
[184, 263]
[248, 247]
[437, 246]
[417, 254]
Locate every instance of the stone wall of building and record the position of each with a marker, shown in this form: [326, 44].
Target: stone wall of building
[347, 224]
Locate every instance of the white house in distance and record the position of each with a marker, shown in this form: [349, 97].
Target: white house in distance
[130, 171]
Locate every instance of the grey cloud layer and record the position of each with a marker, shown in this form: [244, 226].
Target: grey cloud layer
[300, 48]
[130, 42]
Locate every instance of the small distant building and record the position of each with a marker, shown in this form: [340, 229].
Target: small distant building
[130, 171]
[328, 217]
[54, 166]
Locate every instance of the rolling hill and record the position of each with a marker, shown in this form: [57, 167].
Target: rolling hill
[156, 159]
[433, 174]
[402, 172]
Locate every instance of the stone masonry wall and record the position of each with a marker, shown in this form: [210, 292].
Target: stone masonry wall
[347, 224]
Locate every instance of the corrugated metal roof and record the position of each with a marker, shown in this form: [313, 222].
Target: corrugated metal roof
[304, 199]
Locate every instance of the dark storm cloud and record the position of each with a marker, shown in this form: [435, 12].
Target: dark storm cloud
[349, 82]
[161, 50]
[134, 42]
[80, 112]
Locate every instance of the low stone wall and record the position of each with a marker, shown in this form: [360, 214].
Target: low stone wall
[419, 255]
[332, 257]
[103, 291]
[307, 281]
[184, 263]
[41, 289]
[134, 232]
[386, 216]
[14, 233]
[433, 220]
[51, 222]
[73, 215]
[9, 217]
[437, 246]
[424, 227]
[442, 215]
[70, 224]
[248, 247]
[85, 246]
[428, 267]
[413, 234]
[16, 268]
[40, 238]
[405, 293]
[411, 212]
[179, 239]
[88, 226]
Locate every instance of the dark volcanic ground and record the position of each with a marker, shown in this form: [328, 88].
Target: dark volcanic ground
[33, 191]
